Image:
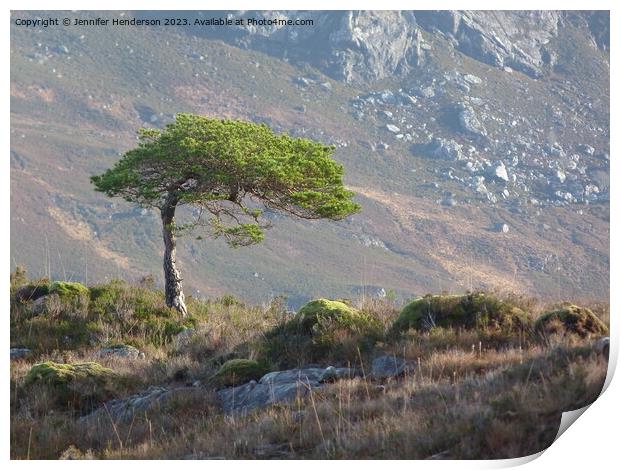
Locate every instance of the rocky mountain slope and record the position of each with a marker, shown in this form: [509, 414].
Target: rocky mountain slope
[478, 143]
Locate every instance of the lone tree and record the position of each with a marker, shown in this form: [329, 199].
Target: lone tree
[229, 171]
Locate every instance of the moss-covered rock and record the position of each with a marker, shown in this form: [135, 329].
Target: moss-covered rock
[322, 317]
[68, 289]
[52, 373]
[80, 386]
[571, 319]
[323, 330]
[471, 311]
[238, 371]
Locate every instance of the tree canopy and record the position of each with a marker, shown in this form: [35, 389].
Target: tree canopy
[230, 170]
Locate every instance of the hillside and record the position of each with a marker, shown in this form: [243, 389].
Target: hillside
[109, 372]
[477, 142]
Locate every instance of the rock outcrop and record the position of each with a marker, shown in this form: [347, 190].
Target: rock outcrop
[362, 46]
[279, 387]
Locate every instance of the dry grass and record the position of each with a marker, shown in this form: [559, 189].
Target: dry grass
[474, 394]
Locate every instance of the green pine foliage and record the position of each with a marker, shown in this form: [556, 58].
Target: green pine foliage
[219, 165]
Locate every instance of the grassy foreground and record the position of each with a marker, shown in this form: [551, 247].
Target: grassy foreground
[490, 388]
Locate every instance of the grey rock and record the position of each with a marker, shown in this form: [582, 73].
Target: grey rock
[288, 376]
[302, 81]
[469, 121]
[386, 367]
[472, 79]
[387, 97]
[565, 196]
[369, 241]
[560, 176]
[20, 353]
[280, 387]
[252, 395]
[332, 374]
[427, 92]
[445, 149]
[184, 337]
[40, 305]
[448, 201]
[587, 149]
[124, 410]
[408, 99]
[500, 172]
[507, 40]
[121, 351]
[602, 346]
[351, 46]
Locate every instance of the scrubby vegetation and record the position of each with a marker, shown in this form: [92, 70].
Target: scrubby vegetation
[322, 330]
[489, 381]
[472, 311]
[571, 319]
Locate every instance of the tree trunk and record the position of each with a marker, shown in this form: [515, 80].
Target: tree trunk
[174, 286]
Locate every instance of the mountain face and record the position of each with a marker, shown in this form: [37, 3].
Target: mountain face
[477, 142]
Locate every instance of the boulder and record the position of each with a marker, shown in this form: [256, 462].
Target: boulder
[280, 387]
[122, 351]
[124, 410]
[310, 375]
[445, 149]
[386, 367]
[20, 353]
[253, 395]
[469, 121]
[602, 346]
[499, 172]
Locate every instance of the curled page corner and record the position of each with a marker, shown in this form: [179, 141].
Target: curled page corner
[568, 418]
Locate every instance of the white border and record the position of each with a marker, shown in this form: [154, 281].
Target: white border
[591, 443]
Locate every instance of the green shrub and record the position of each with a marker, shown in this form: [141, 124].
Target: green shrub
[137, 311]
[68, 289]
[229, 300]
[238, 371]
[43, 334]
[472, 311]
[571, 319]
